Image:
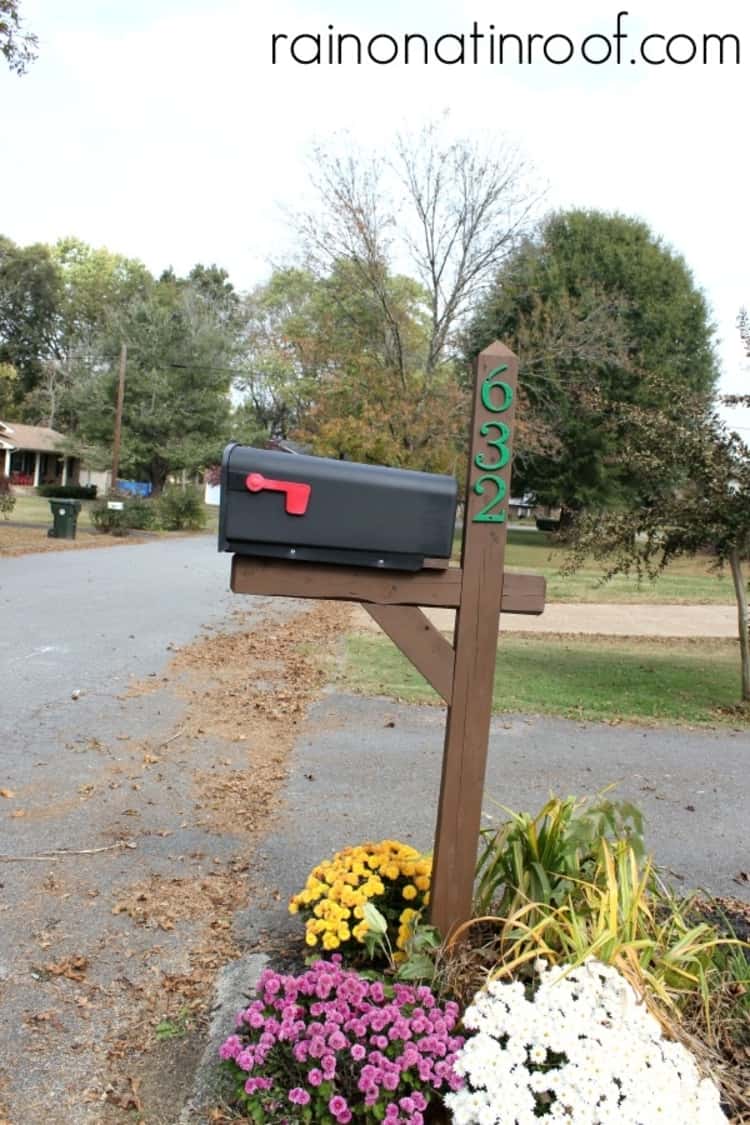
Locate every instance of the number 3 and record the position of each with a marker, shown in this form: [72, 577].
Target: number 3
[498, 444]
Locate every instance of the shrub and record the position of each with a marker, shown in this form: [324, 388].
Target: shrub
[7, 499]
[68, 491]
[618, 918]
[137, 513]
[543, 858]
[181, 509]
[112, 521]
[332, 1046]
[581, 1049]
[140, 512]
[392, 876]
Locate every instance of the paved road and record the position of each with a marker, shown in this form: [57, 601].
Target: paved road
[374, 767]
[74, 776]
[88, 620]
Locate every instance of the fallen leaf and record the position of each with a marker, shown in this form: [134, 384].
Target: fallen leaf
[73, 968]
[18, 812]
[8, 793]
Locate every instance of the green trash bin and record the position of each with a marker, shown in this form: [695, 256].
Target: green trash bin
[65, 518]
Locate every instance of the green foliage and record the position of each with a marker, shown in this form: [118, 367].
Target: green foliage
[325, 368]
[30, 294]
[622, 918]
[602, 315]
[416, 958]
[176, 408]
[142, 512]
[68, 491]
[698, 501]
[181, 509]
[176, 1028]
[137, 513]
[7, 499]
[18, 46]
[111, 521]
[8, 390]
[543, 858]
[572, 882]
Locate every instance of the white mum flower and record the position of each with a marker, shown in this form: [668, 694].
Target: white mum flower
[610, 1064]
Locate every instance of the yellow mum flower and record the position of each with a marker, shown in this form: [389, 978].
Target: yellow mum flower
[330, 941]
[410, 891]
[310, 938]
[422, 882]
[293, 907]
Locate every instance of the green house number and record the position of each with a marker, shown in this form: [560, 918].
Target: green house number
[497, 396]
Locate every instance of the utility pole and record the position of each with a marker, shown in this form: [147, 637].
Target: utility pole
[118, 416]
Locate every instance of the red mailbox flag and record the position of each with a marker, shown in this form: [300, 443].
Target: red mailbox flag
[296, 494]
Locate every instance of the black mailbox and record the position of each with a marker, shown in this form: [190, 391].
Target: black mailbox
[312, 509]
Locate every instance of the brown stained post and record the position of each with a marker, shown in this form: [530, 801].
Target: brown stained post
[419, 640]
[475, 643]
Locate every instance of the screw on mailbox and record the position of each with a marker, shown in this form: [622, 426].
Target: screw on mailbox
[296, 494]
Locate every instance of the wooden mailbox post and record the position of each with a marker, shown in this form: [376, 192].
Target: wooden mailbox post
[463, 672]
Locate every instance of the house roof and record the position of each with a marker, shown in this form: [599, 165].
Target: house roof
[14, 435]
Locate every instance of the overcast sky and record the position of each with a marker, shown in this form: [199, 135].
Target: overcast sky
[160, 128]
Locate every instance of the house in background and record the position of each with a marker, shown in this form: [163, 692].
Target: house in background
[31, 455]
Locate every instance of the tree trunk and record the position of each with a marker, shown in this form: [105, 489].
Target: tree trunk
[741, 595]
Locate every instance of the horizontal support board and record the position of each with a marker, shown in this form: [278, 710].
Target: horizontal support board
[522, 593]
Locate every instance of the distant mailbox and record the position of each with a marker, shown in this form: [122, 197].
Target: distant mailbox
[313, 509]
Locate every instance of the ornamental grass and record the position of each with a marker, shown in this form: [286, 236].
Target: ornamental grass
[393, 877]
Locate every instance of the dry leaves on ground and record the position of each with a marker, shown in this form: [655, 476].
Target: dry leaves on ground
[15, 541]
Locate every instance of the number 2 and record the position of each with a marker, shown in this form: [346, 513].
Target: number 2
[485, 514]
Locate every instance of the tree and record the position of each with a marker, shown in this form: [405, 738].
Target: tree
[602, 315]
[18, 46]
[698, 502]
[30, 324]
[8, 382]
[452, 209]
[320, 367]
[180, 366]
[96, 288]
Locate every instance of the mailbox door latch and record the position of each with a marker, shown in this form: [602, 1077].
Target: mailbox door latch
[296, 494]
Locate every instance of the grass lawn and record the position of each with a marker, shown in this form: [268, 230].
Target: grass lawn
[36, 510]
[606, 679]
[685, 581]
